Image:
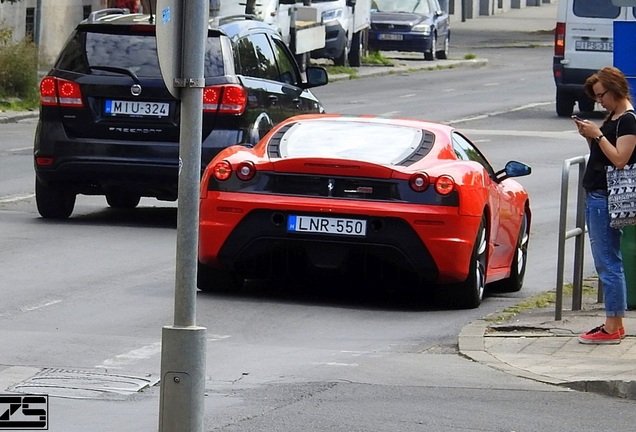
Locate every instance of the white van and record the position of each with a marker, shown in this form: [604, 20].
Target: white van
[583, 44]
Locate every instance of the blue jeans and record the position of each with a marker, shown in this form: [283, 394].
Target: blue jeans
[605, 242]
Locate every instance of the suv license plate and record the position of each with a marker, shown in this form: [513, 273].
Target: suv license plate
[136, 108]
[327, 225]
[389, 36]
[586, 45]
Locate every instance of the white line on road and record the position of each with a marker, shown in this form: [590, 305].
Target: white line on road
[15, 198]
[39, 306]
[131, 356]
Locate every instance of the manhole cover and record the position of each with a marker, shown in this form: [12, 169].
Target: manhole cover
[79, 384]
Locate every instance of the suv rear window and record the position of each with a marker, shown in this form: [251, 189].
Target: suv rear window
[136, 52]
[596, 9]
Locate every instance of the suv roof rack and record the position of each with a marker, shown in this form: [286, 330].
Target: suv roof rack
[99, 14]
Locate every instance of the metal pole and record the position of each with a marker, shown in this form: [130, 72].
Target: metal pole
[579, 244]
[183, 345]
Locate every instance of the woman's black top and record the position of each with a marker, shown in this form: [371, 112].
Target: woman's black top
[594, 177]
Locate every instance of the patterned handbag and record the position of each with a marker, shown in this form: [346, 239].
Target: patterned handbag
[621, 189]
[621, 199]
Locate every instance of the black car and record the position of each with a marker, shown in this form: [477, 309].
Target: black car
[109, 126]
[410, 25]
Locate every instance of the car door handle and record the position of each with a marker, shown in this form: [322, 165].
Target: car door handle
[296, 102]
[273, 100]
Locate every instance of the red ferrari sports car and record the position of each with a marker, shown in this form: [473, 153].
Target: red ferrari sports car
[404, 201]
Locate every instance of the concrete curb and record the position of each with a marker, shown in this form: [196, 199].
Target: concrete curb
[472, 346]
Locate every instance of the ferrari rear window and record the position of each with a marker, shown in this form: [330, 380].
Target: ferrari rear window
[362, 141]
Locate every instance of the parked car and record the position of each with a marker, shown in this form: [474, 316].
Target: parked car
[412, 202]
[109, 126]
[583, 44]
[410, 25]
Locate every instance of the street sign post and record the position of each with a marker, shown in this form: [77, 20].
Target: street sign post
[181, 405]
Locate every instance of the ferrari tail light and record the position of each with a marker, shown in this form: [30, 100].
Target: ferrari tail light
[559, 39]
[419, 182]
[245, 170]
[444, 184]
[57, 91]
[225, 99]
[222, 170]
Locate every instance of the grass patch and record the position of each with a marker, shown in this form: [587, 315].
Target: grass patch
[470, 56]
[589, 287]
[376, 58]
[334, 70]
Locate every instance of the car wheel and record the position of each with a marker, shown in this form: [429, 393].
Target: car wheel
[470, 293]
[211, 279]
[355, 55]
[519, 261]
[564, 103]
[443, 54]
[344, 56]
[122, 200]
[586, 104]
[54, 201]
[430, 55]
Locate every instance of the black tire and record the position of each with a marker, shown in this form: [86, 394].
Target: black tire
[355, 55]
[210, 279]
[564, 103]
[443, 54]
[514, 282]
[343, 59]
[586, 104]
[54, 201]
[470, 293]
[122, 200]
[430, 55]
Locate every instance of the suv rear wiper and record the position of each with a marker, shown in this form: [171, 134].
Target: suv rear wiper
[118, 70]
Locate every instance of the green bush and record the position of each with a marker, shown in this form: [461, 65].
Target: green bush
[18, 69]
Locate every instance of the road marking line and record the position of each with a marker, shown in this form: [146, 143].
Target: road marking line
[39, 306]
[131, 356]
[15, 198]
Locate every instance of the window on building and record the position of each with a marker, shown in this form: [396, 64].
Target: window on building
[29, 31]
[87, 11]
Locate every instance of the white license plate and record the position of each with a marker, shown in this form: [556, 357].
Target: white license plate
[136, 108]
[394, 37]
[327, 225]
[586, 45]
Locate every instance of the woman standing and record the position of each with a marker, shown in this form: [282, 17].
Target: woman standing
[611, 144]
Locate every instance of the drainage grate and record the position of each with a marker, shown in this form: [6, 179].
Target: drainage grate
[78, 384]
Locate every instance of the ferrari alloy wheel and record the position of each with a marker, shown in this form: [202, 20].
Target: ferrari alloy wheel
[514, 282]
[210, 279]
[471, 292]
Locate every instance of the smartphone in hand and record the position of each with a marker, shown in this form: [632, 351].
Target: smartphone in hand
[577, 118]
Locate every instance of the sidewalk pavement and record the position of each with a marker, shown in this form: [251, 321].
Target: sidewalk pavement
[532, 344]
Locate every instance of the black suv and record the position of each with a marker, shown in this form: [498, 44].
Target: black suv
[109, 126]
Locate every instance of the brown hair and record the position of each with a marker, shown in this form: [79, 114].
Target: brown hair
[613, 81]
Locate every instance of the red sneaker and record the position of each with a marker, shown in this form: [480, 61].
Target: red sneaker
[599, 336]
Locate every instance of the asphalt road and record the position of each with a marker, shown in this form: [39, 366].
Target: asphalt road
[84, 301]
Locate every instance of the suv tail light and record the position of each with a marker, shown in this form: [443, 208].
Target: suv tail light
[57, 91]
[559, 40]
[225, 99]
